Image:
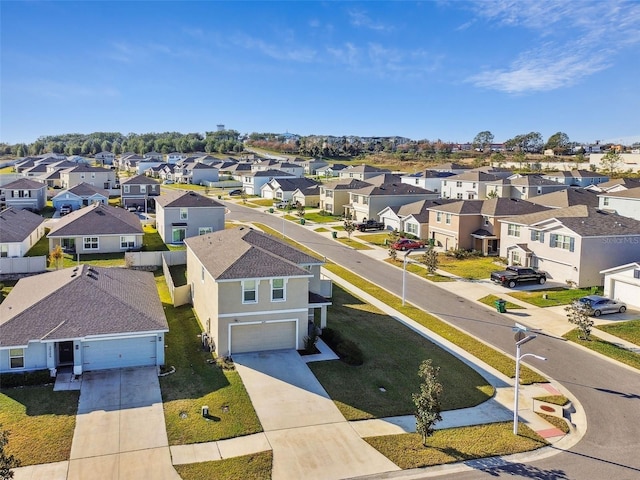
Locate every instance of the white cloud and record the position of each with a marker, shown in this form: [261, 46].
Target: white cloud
[580, 39]
[287, 51]
[359, 18]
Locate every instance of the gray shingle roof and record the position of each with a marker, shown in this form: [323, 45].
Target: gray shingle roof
[17, 225]
[140, 180]
[473, 177]
[494, 207]
[567, 198]
[180, 199]
[394, 188]
[245, 253]
[630, 193]
[79, 302]
[86, 190]
[23, 184]
[97, 219]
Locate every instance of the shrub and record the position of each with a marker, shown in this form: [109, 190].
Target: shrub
[331, 337]
[350, 352]
[310, 341]
[25, 379]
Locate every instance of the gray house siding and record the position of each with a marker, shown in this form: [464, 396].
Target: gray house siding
[170, 218]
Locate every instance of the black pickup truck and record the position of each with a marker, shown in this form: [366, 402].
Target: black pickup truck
[514, 275]
[370, 225]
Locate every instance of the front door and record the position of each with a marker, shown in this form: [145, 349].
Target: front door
[65, 353]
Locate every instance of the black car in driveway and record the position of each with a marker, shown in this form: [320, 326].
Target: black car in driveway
[235, 193]
[513, 275]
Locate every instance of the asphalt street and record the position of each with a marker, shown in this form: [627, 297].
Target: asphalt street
[608, 392]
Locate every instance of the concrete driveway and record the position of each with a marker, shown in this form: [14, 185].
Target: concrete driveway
[309, 436]
[120, 430]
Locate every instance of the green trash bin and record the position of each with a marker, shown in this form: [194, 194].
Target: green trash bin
[501, 306]
[302, 221]
[271, 210]
[334, 234]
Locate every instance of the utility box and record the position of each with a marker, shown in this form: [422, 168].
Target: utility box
[205, 411]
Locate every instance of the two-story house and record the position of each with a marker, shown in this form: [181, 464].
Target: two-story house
[522, 187]
[195, 173]
[139, 191]
[24, 193]
[567, 197]
[283, 188]
[105, 158]
[427, 179]
[330, 171]
[98, 177]
[625, 203]
[577, 178]
[573, 244]
[474, 224]
[253, 181]
[19, 231]
[412, 218]
[467, 186]
[253, 292]
[334, 196]
[361, 172]
[181, 215]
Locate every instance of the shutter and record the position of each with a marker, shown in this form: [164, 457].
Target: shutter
[541, 237]
[552, 240]
[533, 235]
[571, 242]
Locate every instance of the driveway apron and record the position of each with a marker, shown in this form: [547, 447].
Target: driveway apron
[120, 430]
[308, 435]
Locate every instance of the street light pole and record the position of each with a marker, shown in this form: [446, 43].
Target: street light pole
[519, 357]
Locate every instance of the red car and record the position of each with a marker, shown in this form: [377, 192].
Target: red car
[407, 244]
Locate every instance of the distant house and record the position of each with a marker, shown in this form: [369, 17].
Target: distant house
[467, 186]
[334, 196]
[96, 176]
[311, 166]
[24, 193]
[175, 157]
[623, 283]
[361, 172]
[307, 196]
[139, 191]
[625, 202]
[260, 294]
[474, 224]
[412, 218]
[195, 173]
[573, 244]
[330, 170]
[577, 178]
[105, 158]
[19, 231]
[427, 179]
[567, 197]
[181, 215]
[97, 229]
[522, 187]
[84, 317]
[615, 185]
[80, 196]
[283, 188]
[154, 156]
[253, 181]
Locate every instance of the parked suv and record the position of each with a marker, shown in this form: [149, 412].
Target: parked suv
[65, 209]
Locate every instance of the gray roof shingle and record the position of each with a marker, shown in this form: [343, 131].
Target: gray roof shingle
[17, 225]
[180, 199]
[97, 219]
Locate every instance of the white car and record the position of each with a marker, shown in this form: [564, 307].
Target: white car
[282, 204]
[597, 305]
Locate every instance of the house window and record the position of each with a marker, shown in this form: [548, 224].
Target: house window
[411, 228]
[447, 219]
[471, 196]
[458, 184]
[4, 250]
[636, 273]
[365, 200]
[93, 175]
[202, 274]
[16, 357]
[328, 193]
[143, 189]
[184, 213]
[444, 183]
[564, 242]
[513, 230]
[474, 185]
[439, 217]
[125, 188]
[356, 199]
[178, 235]
[515, 257]
[485, 221]
[91, 243]
[537, 236]
[459, 196]
[605, 201]
[127, 241]
[204, 230]
[277, 290]
[249, 291]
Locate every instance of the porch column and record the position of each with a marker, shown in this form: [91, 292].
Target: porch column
[323, 316]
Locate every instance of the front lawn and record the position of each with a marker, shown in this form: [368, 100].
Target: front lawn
[40, 423]
[491, 301]
[456, 444]
[629, 331]
[606, 348]
[256, 466]
[392, 355]
[197, 381]
[319, 218]
[379, 239]
[356, 245]
[554, 296]
[472, 268]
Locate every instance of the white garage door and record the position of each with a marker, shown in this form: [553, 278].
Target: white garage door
[127, 352]
[277, 335]
[627, 293]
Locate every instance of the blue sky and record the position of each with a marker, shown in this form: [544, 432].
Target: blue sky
[446, 69]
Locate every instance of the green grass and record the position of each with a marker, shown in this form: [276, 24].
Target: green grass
[555, 296]
[197, 382]
[559, 423]
[392, 356]
[339, 228]
[491, 299]
[555, 399]
[474, 268]
[262, 202]
[5, 170]
[606, 348]
[419, 270]
[378, 239]
[319, 218]
[436, 277]
[356, 245]
[40, 248]
[248, 467]
[629, 331]
[40, 423]
[179, 275]
[456, 444]
[97, 259]
[152, 241]
[321, 230]
[467, 342]
[6, 287]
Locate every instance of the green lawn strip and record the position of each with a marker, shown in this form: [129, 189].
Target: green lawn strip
[392, 355]
[379, 239]
[356, 245]
[6, 170]
[468, 343]
[339, 228]
[256, 466]
[629, 331]
[474, 268]
[40, 423]
[152, 241]
[559, 423]
[197, 382]
[419, 270]
[491, 301]
[97, 259]
[319, 218]
[560, 400]
[321, 230]
[41, 247]
[456, 444]
[606, 348]
[179, 275]
[436, 277]
[555, 296]
[262, 202]
[5, 287]
[114, 201]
